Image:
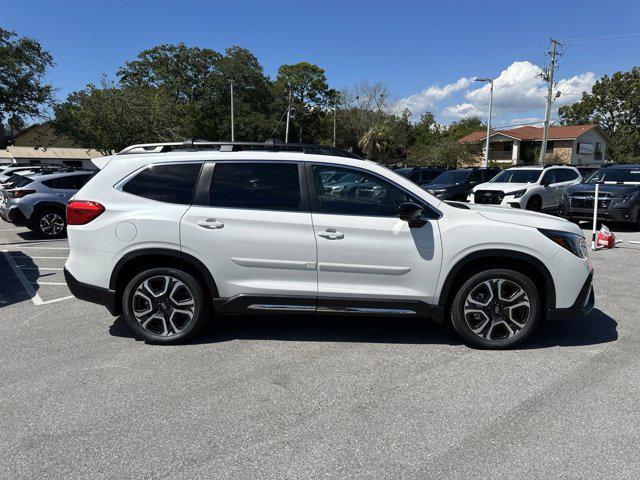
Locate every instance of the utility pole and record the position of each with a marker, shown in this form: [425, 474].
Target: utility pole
[547, 112]
[286, 133]
[485, 161]
[233, 132]
[335, 113]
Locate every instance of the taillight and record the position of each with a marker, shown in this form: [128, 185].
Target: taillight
[81, 212]
[20, 193]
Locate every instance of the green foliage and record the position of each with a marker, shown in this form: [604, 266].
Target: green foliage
[614, 104]
[23, 92]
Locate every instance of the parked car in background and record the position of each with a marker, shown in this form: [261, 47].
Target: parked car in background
[457, 184]
[421, 175]
[533, 188]
[38, 201]
[618, 196]
[12, 169]
[170, 239]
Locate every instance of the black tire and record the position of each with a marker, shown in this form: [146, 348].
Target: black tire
[49, 223]
[501, 331]
[535, 203]
[166, 327]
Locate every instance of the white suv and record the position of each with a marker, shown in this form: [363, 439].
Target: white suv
[170, 236]
[534, 188]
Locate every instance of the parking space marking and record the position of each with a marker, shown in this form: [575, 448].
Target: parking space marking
[50, 283]
[27, 285]
[24, 267]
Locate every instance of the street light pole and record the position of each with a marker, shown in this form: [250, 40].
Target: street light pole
[286, 132]
[233, 132]
[335, 113]
[485, 162]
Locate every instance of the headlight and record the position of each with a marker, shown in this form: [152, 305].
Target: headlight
[518, 193]
[575, 243]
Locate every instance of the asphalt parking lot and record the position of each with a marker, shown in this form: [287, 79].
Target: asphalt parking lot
[311, 398]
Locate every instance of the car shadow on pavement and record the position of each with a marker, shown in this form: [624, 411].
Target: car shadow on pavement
[315, 329]
[595, 328]
[11, 289]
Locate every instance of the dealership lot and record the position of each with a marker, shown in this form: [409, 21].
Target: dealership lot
[310, 398]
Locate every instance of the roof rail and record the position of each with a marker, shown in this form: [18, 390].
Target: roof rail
[270, 145]
[547, 165]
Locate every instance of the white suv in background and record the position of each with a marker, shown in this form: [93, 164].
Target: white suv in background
[170, 235]
[532, 188]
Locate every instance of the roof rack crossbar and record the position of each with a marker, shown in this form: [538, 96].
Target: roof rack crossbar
[269, 145]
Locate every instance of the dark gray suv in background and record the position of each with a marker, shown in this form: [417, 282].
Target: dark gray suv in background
[618, 196]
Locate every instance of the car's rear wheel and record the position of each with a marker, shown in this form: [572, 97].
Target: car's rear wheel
[164, 305]
[50, 224]
[497, 308]
[535, 204]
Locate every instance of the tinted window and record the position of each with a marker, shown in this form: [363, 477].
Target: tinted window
[428, 175]
[18, 181]
[565, 175]
[363, 194]
[489, 174]
[452, 177]
[72, 182]
[476, 176]
[166, 183]
[615, 175]
[261, 186]
[549, 176]
[517, 176]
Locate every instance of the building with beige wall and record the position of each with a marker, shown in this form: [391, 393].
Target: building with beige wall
[573, 145]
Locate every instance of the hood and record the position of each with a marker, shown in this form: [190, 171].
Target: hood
[526, 218]
[613, 190]
[502, 187]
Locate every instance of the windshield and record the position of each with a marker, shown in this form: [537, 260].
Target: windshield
[405, 172]
[517, 176]
[455, 176]
[615, 175]
[17, 181]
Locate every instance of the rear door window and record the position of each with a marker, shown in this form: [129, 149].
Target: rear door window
[72, 182]
[256, 186]
[173, 183]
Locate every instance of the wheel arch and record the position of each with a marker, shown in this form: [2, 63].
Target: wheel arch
[499, 258]
[46, 205]
[131, 264]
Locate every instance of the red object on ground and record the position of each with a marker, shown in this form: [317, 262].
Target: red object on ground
[606, 238]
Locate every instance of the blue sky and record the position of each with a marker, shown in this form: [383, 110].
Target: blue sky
[426, 52]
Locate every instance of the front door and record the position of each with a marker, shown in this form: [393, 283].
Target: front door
[253, 231]
[365, 251]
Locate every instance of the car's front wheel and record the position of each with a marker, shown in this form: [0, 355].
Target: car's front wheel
[496, 308]
[50, 224]
[165, 305]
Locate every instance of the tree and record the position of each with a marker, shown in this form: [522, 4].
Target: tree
[23, 91]
[311, 96]
[614, 104]
[109, 118]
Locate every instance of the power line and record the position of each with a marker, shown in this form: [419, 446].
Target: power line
[627, 36]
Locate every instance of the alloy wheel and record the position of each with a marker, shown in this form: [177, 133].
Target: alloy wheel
[163, 305]
[52, 224]
[497, 309]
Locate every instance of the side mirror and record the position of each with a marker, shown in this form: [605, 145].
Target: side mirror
[410, 212]
[545, 183]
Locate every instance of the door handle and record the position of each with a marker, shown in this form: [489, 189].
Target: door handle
[210, 224]
[331, 234]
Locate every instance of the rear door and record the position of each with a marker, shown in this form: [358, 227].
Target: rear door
[549, 194]
[367, 256]
[250, 224]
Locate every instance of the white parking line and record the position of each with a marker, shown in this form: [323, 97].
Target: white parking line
[40, 248]
[10, 229]
[50, 283]
[28, 287]
[24, 267]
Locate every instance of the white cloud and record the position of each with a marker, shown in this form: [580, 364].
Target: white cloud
[419, 103]
[518, 91]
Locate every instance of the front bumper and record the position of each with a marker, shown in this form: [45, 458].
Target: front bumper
[91, 293]
[610, 214]
[584, 303]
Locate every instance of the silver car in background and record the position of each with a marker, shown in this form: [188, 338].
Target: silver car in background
[38, 200]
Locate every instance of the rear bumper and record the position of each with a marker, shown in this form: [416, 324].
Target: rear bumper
[584, 303]
[13, 215]
[91, 293]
